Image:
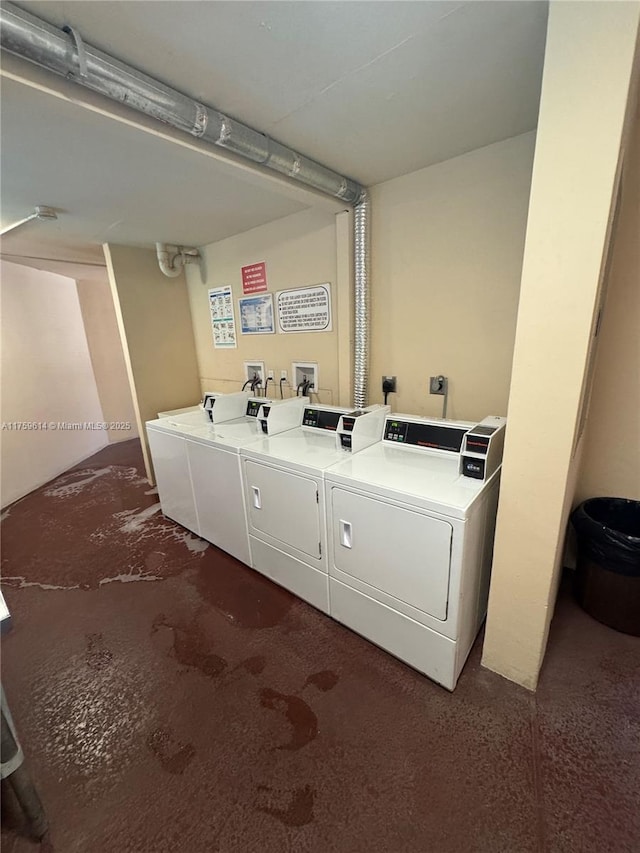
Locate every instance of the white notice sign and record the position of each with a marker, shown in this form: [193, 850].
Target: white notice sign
[307, 309]
[222, 320]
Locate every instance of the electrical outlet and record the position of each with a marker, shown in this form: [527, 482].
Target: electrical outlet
[269, 374]
[253, 369]
[283, 375]
[305, 371]
[388, 384]
[438, 385]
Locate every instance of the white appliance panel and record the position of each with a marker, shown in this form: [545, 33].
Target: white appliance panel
[305, 581]
[217, 490]
[404, 553]
[173, 478]
[284, 506]
[417, 645]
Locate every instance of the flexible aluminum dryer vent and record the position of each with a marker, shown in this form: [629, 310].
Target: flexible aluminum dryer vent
[65, 53]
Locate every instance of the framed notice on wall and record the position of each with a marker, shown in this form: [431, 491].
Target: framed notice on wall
[223, 324]
[305, 309]
[256, 315]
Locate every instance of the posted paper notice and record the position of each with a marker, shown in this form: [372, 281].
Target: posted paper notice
[306, 309]
[256, 315]
[223, 323]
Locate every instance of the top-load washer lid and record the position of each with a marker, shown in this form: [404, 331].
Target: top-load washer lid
[231, 435]
[183, 424]
[307, 450]
[427, 479]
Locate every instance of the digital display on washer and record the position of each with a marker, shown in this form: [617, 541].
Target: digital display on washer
[425, 435]
[253, 406]
[320, 419]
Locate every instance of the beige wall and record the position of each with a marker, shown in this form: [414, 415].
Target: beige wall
[447, 258]
[574, 176]
[447, 255]
[156, 332]
[47, 376]
[611, 459]
[299, 250]
[107, 358]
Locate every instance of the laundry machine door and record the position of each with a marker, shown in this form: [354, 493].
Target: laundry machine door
[217, 490]
[173, 478]
[401, 552]
[283, 506]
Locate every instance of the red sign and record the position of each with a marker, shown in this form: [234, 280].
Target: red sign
[254, 278]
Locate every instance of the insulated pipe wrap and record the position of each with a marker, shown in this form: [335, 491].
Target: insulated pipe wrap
[362, 237]
[29, 37]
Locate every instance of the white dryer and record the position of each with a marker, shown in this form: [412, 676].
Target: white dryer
[283, 479]
[411, 524]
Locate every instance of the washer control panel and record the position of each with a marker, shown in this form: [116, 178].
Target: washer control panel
[318, 418]
[431, 435]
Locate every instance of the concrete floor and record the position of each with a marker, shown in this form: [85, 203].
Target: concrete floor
[171, 699]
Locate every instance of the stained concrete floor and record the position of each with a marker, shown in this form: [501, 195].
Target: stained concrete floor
[171, 699]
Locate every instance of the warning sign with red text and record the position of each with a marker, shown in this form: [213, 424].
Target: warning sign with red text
[254, 278]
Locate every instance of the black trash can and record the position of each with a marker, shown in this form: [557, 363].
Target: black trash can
[607, 577]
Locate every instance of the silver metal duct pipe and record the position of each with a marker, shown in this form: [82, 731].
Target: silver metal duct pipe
[362, 251]
[65, 53]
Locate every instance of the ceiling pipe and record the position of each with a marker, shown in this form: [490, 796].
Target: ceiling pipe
[65, 53]
[172, 259]
[42, 212]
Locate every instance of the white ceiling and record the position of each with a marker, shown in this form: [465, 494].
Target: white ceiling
[372, 89]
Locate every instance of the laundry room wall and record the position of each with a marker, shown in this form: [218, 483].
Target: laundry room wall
[611, 461]
[47, 380]
[446, 261]
[448, 243]
[107, 357]
[299, 250]
[156, 332]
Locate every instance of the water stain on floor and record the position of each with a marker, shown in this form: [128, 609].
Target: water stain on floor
[292, 807]
[174, 756]
[125, 538]
[303, 721]
[255, 665]
[97, 655]
[189, 648]
[324, 680]
[244, 597]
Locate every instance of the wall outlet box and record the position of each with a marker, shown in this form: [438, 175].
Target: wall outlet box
[438, 385]
[253, 369]
[305, 371]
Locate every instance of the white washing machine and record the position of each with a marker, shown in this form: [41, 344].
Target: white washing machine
[213, 454]
[167, 443]
[197, 465]
[284, 494]
[411, 524]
